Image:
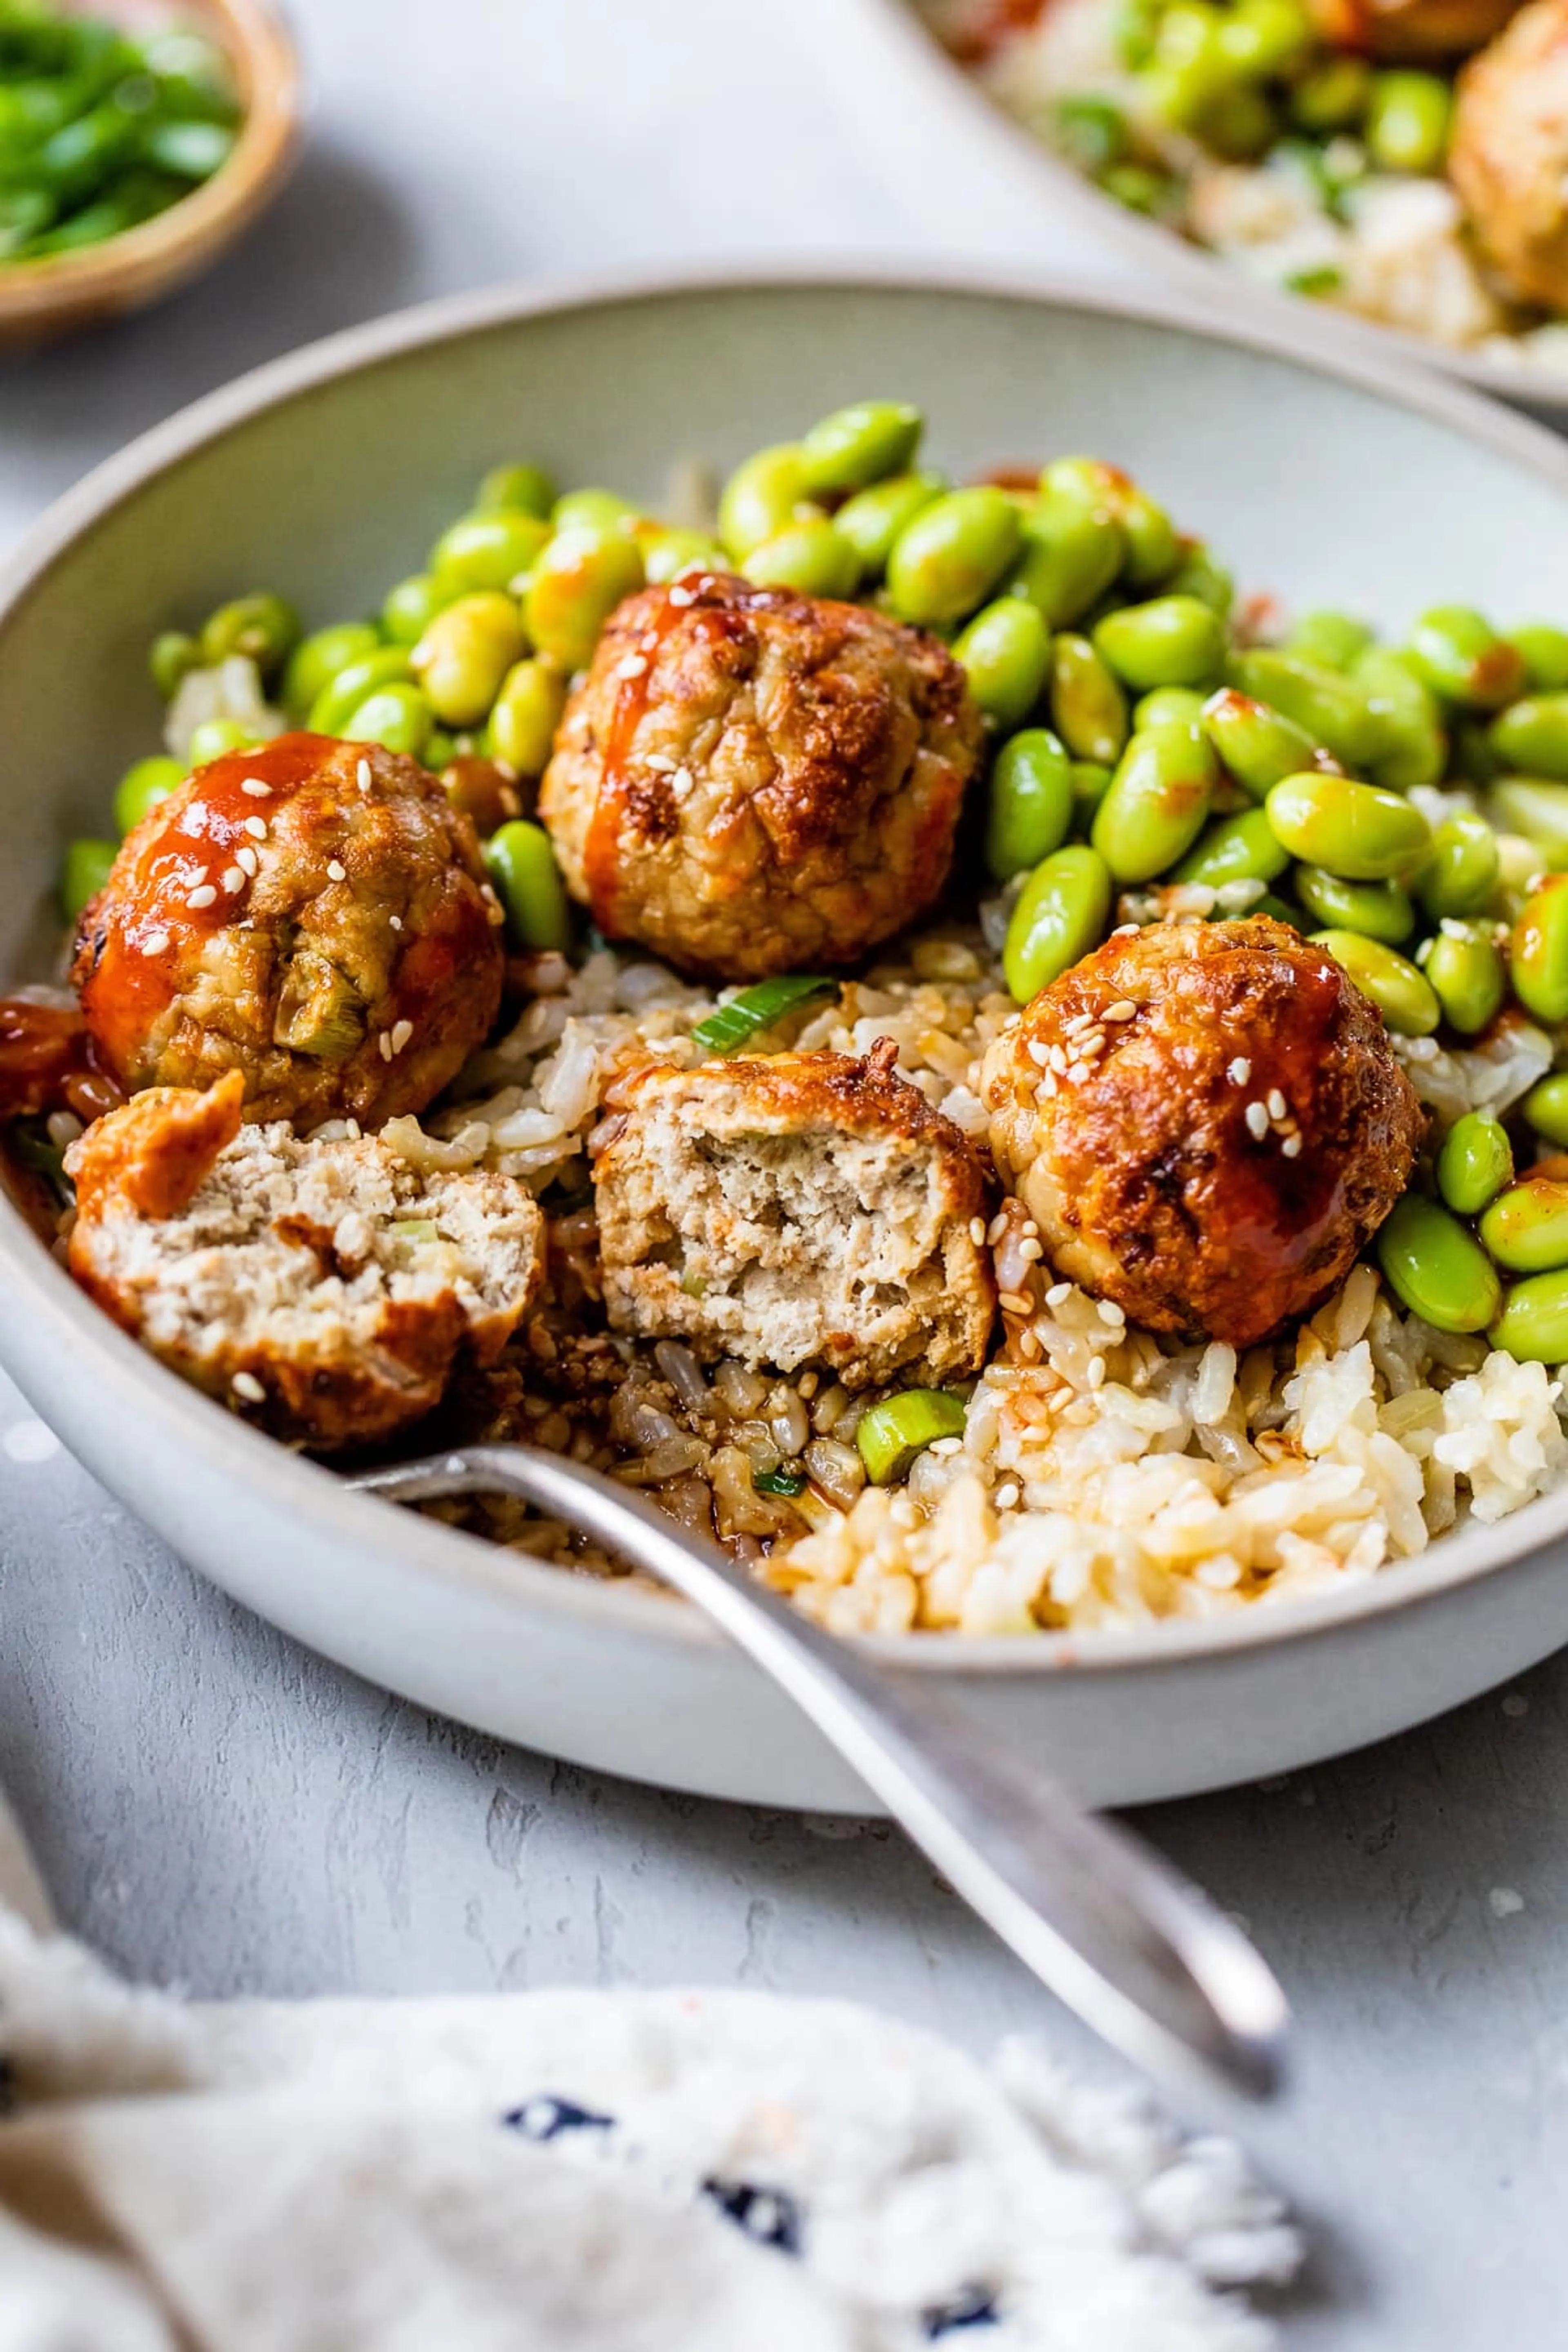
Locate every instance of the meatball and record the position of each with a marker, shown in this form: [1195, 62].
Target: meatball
[1411, 29]
[1206, 1121]
[313, 914]
[808, 1208]
[749, 781]
[1507, 158]
[324, 1289]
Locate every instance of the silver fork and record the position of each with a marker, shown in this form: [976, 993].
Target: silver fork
[1141, 1955]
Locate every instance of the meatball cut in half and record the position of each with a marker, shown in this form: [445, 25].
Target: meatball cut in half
[749, 781]
[1508, 155]
[801, 1210]
[326, 1289]
[312, 914]
[1206, 1121]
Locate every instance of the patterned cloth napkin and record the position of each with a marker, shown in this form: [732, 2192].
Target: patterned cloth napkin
[586, 2172]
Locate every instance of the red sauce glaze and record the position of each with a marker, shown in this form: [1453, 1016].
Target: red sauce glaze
[47, 1062]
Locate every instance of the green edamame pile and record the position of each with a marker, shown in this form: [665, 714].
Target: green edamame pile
[100, 129]
[1402, 800]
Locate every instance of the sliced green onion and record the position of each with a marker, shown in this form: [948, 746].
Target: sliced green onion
[893, 1432]
[1326, 277]
[31, 1144]
[756, 1009]
[787, 1483]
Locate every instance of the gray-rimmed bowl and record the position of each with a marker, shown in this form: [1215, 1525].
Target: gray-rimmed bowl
[325, 475]
[983, 183]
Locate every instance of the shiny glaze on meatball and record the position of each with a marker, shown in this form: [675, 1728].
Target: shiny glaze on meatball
[749, 781]
[1207, 1123]
[1508, 155]
[310, 913]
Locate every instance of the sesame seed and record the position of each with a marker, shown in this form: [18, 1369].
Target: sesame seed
[1031, 1251]
[1276, 1102]
[1292, 1147]
[1122, 1010]
[256, 788]
[977, 1231]
[395, 921]
[384, 1046]
[1015, 1302]
[337, 871]
[1126, 930]
[1079, 1072]
[1059, 1060]
[1058, 1294]
[634, 666]
[1048, 1088]
[155, 942]
[245, 859]
[1257, 1121]
[256, 826]
[1240, 1070]
[1040, 1055]
[679, 595]
[246, 1385]
[204, 894]
[362, 777]
[233, 879]
[401, 1031]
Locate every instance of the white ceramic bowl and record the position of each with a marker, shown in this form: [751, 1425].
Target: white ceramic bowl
[325, 475]
[983, 183]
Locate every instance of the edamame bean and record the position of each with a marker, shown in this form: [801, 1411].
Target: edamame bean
[1031, 802]
[1175, 641]
[1071, 555]
[1522, 805]
[860, 445]
[947, 561]
[1460, 656]
[667, 554]
[1399, 991]
[1240, 848]
[1060, 914]
[521, 864]
[1407, 744]
[1378, 910]
[1258, 746]
[173, 656]
[214, 738]
[1534, 1324]
[1264, 39]
[1526, 1228]
[413, 604]
[579, 579]
[1087, 705]
[265, 628]
[1461, 874]
[1546, 1108]
[84, 873]
[1169, 705]
[1475, 1163]
[1090, 783]
[592, 509]
[1538, 953]
[519, 489]
[1158, 800]
[1333, 97]
[1531, 736]
[144, 784]
[766, 492]
[317, 659]
[1543, 650]
[1199, 575]
[813, 556]
[397, 717]
[1407, 119]
[521, 727]
[1357, 831]
[872, 520]
[1435, 1268]
[1466, 974]
[1332, 640]
[487, 551]
[1330, 710]
[468, 648]
[1149, 535]
[1005, 651]
[354, 684]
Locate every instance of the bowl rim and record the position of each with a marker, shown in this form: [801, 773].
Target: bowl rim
[263, 58]
[130, 1385]
[1052, 182]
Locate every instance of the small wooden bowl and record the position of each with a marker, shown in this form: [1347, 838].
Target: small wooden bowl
[42, 299]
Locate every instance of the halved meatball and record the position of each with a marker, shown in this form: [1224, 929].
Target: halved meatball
[1508, 155]
[325, 1290]
[1206, 1122]
[310, 913]
[805, 1208]
[1412, 29]
[749, 781]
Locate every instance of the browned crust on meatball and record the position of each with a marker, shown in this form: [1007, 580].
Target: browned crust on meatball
[294, 1278]
[1508, 155]
[804, 1208]
[1134, 1154]
[327, 932]
[748, 781]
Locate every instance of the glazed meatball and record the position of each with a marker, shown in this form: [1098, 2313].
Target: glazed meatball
[313, 914]
[1509, 155]
[1412, 29]
[808, 1208]
[325, 1290]
[1206, 1121]
[749, 781]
